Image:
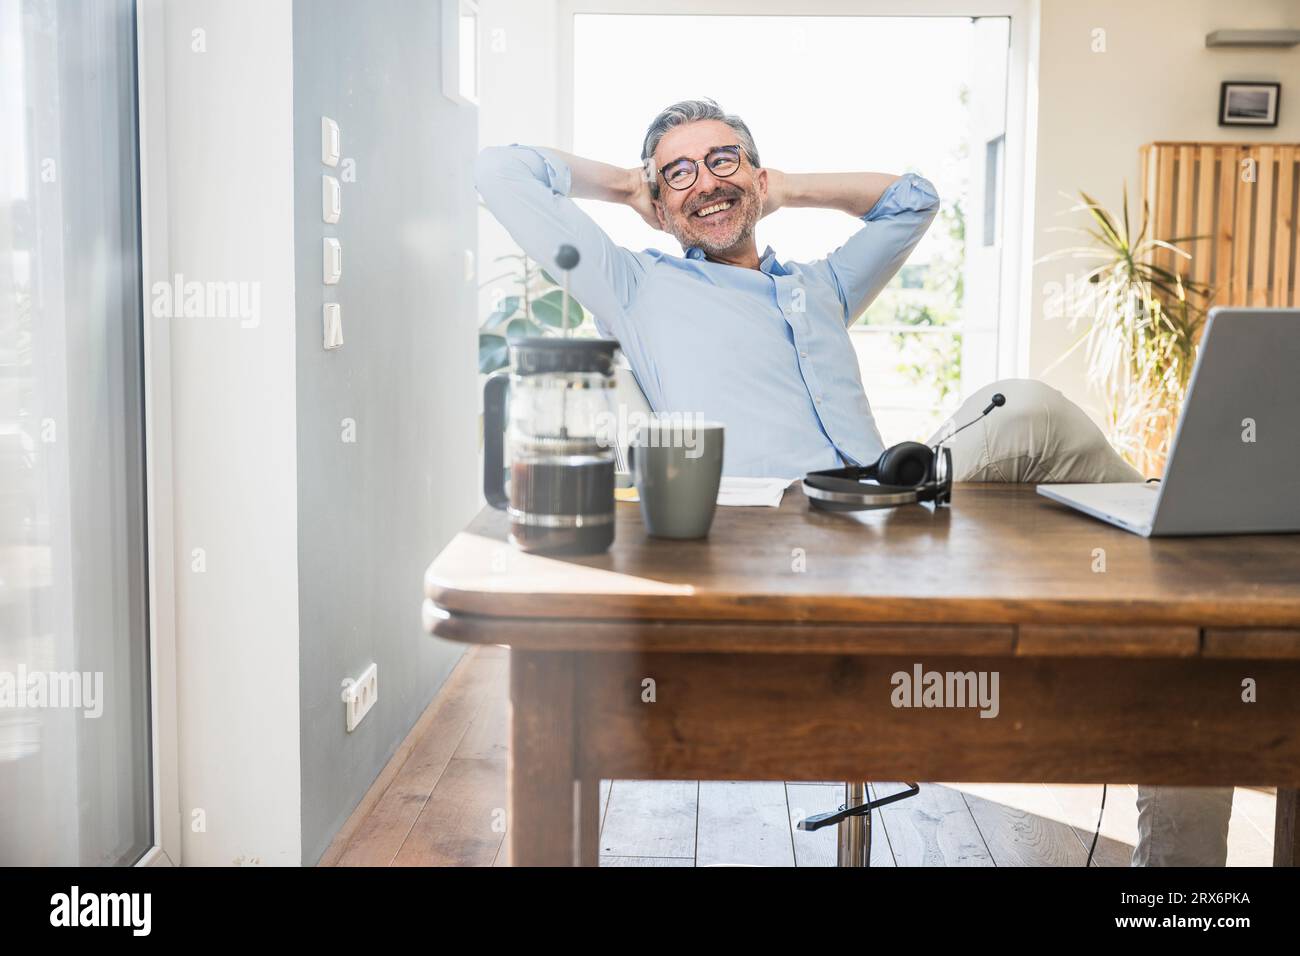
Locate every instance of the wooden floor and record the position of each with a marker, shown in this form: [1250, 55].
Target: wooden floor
[441, 802]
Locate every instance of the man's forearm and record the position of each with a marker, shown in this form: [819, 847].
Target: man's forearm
[853, 193]
[596, 180]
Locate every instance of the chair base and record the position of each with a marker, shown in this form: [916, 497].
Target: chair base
[854, 819]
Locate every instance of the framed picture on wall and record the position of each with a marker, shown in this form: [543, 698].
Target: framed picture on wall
[1249, 104]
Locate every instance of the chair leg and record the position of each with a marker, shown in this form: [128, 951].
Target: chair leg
[855, 831]
[854, 821]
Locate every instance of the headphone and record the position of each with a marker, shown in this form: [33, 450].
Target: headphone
[904, 474]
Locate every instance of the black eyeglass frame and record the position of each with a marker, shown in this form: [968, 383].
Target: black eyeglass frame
[695, 163]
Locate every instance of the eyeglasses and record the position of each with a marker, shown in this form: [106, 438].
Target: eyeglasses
[682, 173]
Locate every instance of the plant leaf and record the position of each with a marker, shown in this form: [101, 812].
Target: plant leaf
[522, 328]
[1172, 248]
[493, 353]
[1103, 219]
[547, 310]
[1127, 230]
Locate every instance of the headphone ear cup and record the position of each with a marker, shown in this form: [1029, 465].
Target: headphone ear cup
[906, 464]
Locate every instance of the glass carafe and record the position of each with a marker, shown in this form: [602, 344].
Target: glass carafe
[546, 417]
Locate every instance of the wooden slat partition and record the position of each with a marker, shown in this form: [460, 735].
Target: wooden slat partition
[1286, 276]
[1242, 198]
[1206, 190]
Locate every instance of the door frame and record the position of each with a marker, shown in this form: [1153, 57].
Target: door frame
[151, 98]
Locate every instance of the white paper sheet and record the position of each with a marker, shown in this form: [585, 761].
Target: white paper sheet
[737, 492]
[753, 492]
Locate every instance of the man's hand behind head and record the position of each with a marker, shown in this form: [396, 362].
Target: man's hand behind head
[640, 200]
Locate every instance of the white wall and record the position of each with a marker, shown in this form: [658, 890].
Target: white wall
[228, 188]
[1155, 81]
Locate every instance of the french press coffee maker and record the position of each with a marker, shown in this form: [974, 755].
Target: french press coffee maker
[547, 409]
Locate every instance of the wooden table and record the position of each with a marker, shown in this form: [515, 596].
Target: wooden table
[766, 652]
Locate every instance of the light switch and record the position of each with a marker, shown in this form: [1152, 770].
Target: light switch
[329, 141]
[469, 264]
[331, 198]
[333, 320]
[333, 261]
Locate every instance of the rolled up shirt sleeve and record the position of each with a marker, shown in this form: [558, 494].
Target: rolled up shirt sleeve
[891, 229]
[527, 189]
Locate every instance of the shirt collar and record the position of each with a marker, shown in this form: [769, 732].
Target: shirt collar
[766, 262]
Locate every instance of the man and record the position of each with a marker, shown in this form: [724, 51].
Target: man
[763, 345]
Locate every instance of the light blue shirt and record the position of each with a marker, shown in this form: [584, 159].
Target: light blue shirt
[767, 352]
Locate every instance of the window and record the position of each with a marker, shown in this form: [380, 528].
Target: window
[896, 94]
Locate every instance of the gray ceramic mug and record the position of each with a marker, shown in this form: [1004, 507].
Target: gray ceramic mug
[676, 464]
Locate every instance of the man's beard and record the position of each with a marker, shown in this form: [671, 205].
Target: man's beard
[685, 230]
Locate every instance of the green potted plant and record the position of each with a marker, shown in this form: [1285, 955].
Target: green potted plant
[1143, 331]
[533, 309]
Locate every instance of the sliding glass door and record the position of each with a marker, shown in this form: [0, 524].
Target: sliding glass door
[75, 778]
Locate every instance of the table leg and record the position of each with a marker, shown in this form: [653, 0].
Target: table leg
[543, 813]
[589, 822]
[1286, 836]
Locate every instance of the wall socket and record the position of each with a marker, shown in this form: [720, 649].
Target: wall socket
[360, 695]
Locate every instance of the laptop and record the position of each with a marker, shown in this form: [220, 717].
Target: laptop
[1234, 465]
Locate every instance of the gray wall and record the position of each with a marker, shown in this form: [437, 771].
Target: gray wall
[372, 515]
